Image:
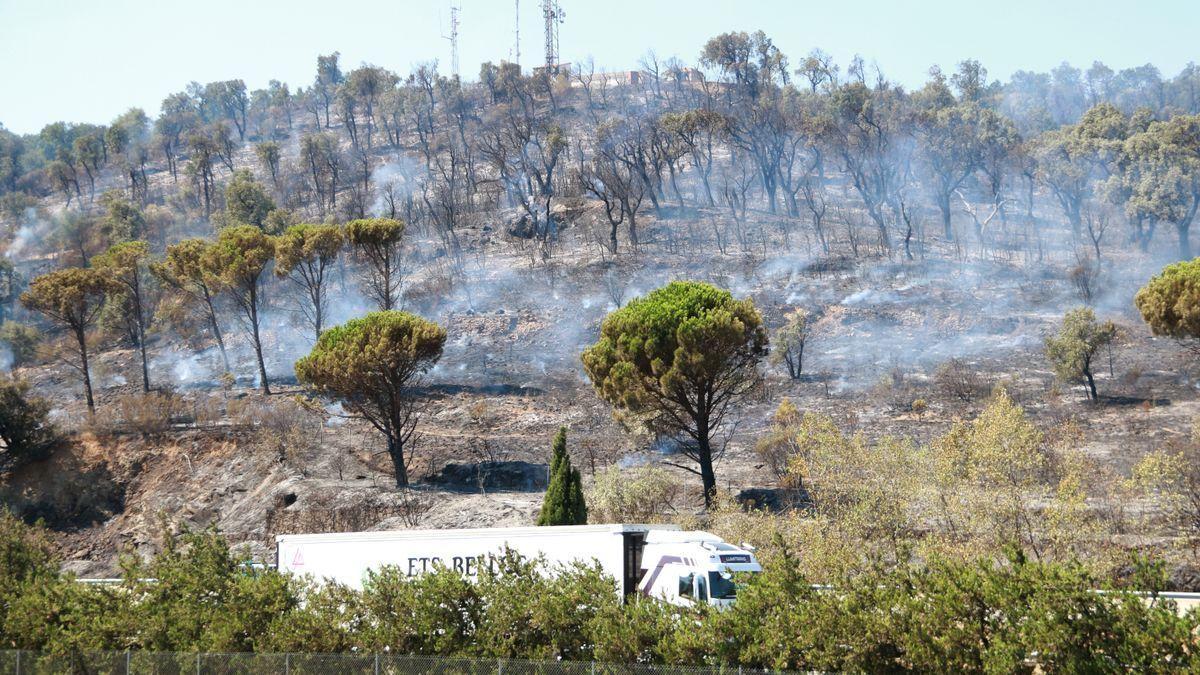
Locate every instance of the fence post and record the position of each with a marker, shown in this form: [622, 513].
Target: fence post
[593, 667]
[376, 663]
[287, 663]
[127, 659]
[18, 662]
[197, 663]
[499, 666]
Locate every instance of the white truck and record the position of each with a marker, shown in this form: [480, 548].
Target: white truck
[661, 561]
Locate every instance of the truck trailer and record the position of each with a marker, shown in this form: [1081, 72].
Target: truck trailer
[660, 561]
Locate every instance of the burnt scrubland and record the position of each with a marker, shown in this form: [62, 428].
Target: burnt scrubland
[919, 312]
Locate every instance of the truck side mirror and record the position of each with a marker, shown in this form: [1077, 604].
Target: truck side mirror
[701, 589]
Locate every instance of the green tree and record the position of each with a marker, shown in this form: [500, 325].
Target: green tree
[378, 242]
[1170, 302]
[269, 153]
[304, 254]
[1072, 350]
[563, 503]
[21, 341]
[26, 433]
[749, 60]
[238, 260]
[678, 362]
[372, 365]
[127, 266]
[1164, 166]
[789, 343]
[184, 270]
[122, 220]
[246, 202]
[73, 298]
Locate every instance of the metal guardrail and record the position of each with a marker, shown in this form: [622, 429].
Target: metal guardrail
[177, 663]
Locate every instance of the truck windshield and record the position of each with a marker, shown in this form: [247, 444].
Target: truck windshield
[721, 586]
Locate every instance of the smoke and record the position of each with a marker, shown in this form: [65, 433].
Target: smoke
[30, 231]
[397, 180]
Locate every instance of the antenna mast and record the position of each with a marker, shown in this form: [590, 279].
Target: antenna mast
[453, 38]
[553, 16]
[517, 50]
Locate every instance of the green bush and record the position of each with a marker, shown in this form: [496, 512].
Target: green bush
[1011, 615]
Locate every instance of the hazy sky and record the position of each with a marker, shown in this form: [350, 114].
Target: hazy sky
[87, 61]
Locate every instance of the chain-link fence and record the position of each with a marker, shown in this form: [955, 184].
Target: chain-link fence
[176, 663]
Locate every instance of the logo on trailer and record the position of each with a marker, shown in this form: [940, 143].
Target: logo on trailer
[298, 559]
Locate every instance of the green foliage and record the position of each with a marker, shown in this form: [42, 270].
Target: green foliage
[378, 241]
[371, 364]
[1163, 173]
[1079, 339]
[21, 342]
[750, 60]
[72, 297]
[26, 433]
[639, 495]
[9, 287]
[677, 361]
[563, 503]
[305, 253]
[239, 256]
[789, 340]
[236, 262]
[1170, 302]
[198, 595]
[122, 220]
[246, 201]
[302, 244]
[977, 616]
[279, 220]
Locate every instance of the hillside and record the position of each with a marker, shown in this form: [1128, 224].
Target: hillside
[935, 238]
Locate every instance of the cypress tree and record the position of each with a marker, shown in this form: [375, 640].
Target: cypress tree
[563, 504]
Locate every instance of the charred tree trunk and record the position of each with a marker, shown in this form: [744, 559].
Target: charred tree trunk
[81, 337]
[395, 447]
[252, 310]
[944, 206]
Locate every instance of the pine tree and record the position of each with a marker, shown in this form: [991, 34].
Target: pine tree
[564, 503]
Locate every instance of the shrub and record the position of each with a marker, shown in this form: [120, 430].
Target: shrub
[896, 390]
[639, 495]
[956, 379]
[151, 414]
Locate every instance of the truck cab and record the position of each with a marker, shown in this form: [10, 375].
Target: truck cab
[693, 567]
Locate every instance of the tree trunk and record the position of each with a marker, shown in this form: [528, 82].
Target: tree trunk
[707, 476]
[216, 328]
[1185, 245]
[141, 330]
[258, 353]
[396, 453]
[944, 205]
[87, 377]
[142, 349]
[1091, 381]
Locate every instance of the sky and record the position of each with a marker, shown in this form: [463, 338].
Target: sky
[90, 60]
